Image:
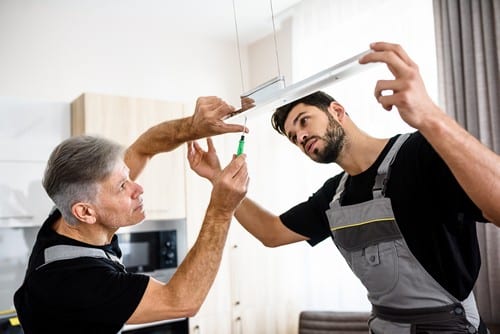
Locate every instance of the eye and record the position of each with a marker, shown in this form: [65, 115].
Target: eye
[303, 121]
[122, 185]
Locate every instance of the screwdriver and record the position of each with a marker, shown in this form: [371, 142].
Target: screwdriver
[241, 143]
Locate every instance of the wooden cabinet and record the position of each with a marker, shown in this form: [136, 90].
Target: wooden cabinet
[123, 119]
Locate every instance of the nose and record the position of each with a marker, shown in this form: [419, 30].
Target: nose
[301, 137]
[138, 190]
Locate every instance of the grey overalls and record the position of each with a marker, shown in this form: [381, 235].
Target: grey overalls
[404, 297]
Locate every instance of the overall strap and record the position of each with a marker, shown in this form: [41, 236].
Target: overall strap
[68, 252]
[383, 171]
[340, 190]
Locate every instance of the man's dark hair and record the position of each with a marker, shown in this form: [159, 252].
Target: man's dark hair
[318, 99]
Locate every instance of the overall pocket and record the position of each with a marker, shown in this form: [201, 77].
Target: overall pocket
[377, 267]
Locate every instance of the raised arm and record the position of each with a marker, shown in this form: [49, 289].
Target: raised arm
[475, 167]
[262, 224]
[184, 294]
[207, 120]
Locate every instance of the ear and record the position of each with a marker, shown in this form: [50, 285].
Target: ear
[337, 111]
[84, 212]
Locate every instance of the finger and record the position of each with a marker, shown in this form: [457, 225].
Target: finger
[241, 175]
[387, 102]
[395, 64]
[210, 145]
[224, 109]
[396, 48]
[236, 164]
[209, 100]
[385, 86]
[379, 47]
[197, 146]
[191, 149]
[227, 128]
[246, 103]
[191, 154]
[215, 104]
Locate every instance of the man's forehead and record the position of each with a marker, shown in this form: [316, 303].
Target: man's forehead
[295, 114]
[119, 169]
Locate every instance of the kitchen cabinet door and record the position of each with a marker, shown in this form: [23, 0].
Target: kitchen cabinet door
[123, 119]
[29, 131]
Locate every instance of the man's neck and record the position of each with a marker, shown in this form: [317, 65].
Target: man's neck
[90, 234]
[360, 152]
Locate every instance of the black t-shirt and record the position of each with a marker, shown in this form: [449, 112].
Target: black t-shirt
[82, 295]
[435, 216]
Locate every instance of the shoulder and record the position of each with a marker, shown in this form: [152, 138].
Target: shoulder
[329, 187]
[418, 145]
[417, 153]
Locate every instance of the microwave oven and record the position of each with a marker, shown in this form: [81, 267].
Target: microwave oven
[154, 247]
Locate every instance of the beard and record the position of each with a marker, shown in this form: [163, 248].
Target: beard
[335, 140]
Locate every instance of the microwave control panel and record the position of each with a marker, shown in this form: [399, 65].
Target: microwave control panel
[168, 252]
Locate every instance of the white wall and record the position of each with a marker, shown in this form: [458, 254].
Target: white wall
[57, 49]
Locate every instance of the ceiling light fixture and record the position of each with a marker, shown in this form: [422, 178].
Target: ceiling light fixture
[273, 94]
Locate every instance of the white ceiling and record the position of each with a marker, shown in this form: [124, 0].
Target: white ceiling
[216, 18]
[210, 18]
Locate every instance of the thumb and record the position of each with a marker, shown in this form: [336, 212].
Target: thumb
[234, 128]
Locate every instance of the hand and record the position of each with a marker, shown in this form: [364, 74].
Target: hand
[204, 163]
[230, 186]
[408, 90]
[208, 116]
[246, 103]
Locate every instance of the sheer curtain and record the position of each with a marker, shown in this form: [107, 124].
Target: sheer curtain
[468, 36]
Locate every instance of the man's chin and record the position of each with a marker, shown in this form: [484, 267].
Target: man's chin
[137, 219]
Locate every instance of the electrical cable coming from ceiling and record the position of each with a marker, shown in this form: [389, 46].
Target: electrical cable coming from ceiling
[239, 48]
[275, 40]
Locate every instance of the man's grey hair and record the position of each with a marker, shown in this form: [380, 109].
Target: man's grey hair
[75, 168]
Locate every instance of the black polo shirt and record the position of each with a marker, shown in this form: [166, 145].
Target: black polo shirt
[82, 295]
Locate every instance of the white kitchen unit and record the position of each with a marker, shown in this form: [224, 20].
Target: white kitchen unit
[123, 119]
[29, 130]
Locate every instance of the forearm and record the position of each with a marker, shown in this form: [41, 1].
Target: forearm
[476, 168]
[163, 137]
[264, 225]
[191, 282]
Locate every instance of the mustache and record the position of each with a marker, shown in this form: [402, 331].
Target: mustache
[304, 144]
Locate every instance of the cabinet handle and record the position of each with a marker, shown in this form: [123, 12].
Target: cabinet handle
[17, 217]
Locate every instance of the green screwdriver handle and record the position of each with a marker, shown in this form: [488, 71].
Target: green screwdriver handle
[241, 145]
